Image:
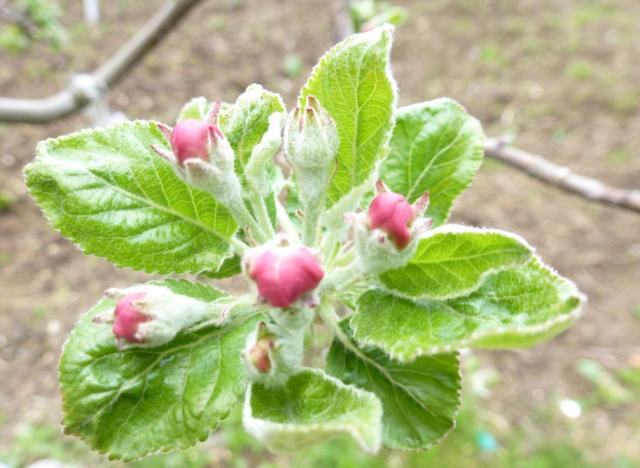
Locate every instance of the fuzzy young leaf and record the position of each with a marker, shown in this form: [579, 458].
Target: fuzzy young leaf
[436, 147]
[452, 261]
[419, 399]
[200, 291]
[309, 408]
[230, 267]
[198, 109]
[141, 400]
[513, 308]
[245, 122]
[353, 83]
[109, 192]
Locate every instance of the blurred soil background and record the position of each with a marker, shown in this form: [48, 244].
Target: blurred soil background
[563, 76]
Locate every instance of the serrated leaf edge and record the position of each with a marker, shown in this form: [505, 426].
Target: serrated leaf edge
[384, 30]
[258, 427]
[478, 151]
[362, 355]
[103, 451]
[572, 292]
[42, 153]
[462, 229]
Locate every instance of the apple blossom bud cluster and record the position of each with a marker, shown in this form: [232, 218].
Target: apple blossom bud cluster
[284, 274]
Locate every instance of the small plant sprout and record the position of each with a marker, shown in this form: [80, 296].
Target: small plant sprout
[347, 231]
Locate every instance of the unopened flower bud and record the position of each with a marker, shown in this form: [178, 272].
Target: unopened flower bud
[311, 136]
[310, 145]
[198, 142]
[284, 274]
[271, 353]
[392, 213]
[128, 317]
[150, 315]
[191, 139]
[386, 236]
[203, 157]
[259, 354]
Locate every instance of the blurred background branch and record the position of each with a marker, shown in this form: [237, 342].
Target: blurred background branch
[86, 88]
[561, 177]
[81, 91]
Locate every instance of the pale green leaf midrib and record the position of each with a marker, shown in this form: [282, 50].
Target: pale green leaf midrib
[355, 145]
[142, 200]
[394, 383]
[440, 152]
[414, 141]
[436, 261]
[143, 375]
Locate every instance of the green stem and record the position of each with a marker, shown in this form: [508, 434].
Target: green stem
[330, 317]
[341, 278]
[245, 219]
[328, 246]
[285, 222]
[235, 316]
[238, 246]
[310, 223]
[262, 214]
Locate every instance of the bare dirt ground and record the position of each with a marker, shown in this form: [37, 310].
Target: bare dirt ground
[563, 76]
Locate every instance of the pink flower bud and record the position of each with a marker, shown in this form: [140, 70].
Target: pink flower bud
[283, 274]
[127, 318]
[190, 139]
[259, 354]
[392, 213]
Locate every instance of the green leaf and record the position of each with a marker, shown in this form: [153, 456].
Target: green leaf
[309, 408]
[419, 399]
[107, 191]
[245, 122]
[512, 308]
[197, 109]
[140, 400]
[230, 267]
[200, 291]
[453, 261]
[353, 82]
[437, 147]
